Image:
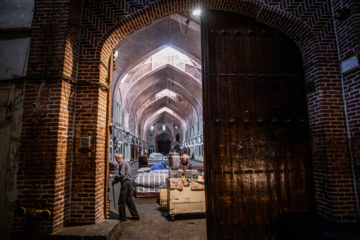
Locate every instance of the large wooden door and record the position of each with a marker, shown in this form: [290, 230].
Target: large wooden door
[256, 140]
[6, 106]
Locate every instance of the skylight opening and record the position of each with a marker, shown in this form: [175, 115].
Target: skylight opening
[167, 55]
[170, 52]
[164, 93]
[124, 78]
[165, 109]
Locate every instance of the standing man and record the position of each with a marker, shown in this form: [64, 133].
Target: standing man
[124, 176]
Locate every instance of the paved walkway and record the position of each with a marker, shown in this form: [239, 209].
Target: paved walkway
[155, 222]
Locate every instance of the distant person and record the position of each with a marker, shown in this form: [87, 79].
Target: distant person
[124, 176]
[185, 164]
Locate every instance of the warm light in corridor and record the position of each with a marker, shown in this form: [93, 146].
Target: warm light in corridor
[197, 12]
[124, 78]
[165, 92]
[165, 109]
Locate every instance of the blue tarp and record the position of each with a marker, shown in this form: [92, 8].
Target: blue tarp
[159, 165]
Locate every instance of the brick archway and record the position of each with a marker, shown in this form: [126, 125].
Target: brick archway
[313, 51]
[263, 13]
[55, 174]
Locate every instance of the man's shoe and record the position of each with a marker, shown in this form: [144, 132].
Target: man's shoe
[135, 218]
[122, 219]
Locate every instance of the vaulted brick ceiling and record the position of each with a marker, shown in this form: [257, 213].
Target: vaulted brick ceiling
[139, 78]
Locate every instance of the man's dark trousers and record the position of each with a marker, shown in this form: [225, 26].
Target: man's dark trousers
[126, 198]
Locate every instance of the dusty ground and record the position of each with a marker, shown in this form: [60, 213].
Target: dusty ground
[155, 222]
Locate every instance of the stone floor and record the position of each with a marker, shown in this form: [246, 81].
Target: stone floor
[155, 222]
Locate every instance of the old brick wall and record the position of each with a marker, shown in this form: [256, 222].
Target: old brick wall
[348, 32]
[89, 167]
[46, 141]
[310, 25]
[54, 173]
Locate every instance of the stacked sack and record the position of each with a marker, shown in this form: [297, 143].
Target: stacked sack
[192, 174]
[174, 174]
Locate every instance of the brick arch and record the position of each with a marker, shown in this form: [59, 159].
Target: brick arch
[292, 26]
[261, 12]
[326, 118]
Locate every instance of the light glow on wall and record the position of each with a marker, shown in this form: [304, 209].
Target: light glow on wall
[124, 78]
[197, 12]
[165, 92]
[165, 109]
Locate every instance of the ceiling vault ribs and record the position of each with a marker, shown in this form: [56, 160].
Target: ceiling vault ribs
[183, 92]
[149, 94]
[161, 118]
[158, 79]
[168, 75]
[180, 109]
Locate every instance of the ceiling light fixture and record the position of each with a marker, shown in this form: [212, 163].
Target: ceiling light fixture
[196, 12]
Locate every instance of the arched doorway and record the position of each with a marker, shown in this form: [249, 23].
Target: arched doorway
[177, 147]
[234, 122]
[304, 44]
[164, 143]
[163, 139]
[87, 108]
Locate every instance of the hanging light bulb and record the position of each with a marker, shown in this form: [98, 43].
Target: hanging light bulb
[196, 12]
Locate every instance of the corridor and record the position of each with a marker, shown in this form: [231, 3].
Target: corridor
[155, 222]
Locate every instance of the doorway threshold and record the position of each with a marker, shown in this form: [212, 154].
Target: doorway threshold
[107, 229]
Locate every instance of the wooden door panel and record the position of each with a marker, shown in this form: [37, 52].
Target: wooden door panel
[258, 162]
[6, 96]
